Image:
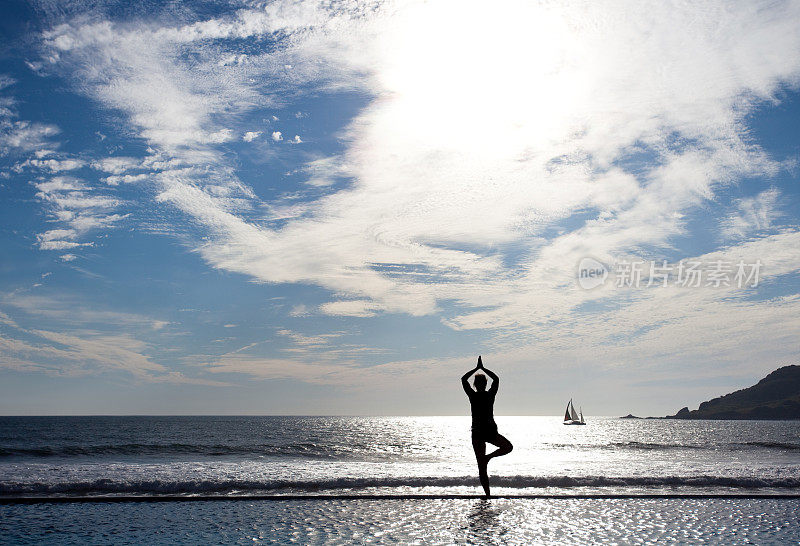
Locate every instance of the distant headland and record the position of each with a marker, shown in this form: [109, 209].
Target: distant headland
[776, 397]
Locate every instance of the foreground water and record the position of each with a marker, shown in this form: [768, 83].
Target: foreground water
[367, 521]
[78, 456]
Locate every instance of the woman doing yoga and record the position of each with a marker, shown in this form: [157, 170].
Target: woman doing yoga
[484, 429]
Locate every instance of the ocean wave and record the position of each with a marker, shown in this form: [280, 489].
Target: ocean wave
[655, 446]
[323, 450]
[307, 449]
[786, 446]
[240, 486]
[626, 445]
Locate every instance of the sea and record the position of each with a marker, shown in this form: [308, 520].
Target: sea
[336, 473]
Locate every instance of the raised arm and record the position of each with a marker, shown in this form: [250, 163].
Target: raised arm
[465, 382]
[495, 379]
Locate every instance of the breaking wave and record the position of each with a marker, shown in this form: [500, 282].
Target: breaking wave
[234, 486]
[306, 450]
[313, 450]
[773, 445]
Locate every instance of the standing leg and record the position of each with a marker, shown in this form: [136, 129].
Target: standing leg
[480, 455]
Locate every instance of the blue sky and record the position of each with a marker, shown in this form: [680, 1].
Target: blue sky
[296, 207]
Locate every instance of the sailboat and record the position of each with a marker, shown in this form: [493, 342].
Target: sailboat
[571, 417]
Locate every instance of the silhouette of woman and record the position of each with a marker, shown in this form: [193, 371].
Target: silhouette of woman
[484, 429]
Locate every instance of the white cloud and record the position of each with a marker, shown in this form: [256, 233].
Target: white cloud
[6, 81]
[5, 319]
[60, 245]
[52, 165]
[73, 205]
[308, 341]
[276, 136]
[59, 239]
[60, 183]
[752, 214]
[324, 170]
[116, 179]
[250, 136]
[54, 234]
[388, 379]
[116, 165]
[25, 136]
[350, 308]
[68, 200]
[86, 350]
[80, 200]
[297, 139]
[300, 310]
[275, 368]
[89, 354]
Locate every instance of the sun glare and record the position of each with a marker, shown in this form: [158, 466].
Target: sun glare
[484, 81]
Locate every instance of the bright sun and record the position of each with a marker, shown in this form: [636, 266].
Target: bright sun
[484, 80]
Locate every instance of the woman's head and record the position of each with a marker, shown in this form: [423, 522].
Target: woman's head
[480, 382]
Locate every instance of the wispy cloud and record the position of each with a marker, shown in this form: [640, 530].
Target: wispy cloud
[84, 341]
[25, 136]
[72, 204]
[752, 215]
[78, 209]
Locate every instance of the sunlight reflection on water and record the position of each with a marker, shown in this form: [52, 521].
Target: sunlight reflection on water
[498, 521]
[240, 455]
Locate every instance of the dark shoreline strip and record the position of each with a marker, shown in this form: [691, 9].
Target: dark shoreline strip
[218, 498]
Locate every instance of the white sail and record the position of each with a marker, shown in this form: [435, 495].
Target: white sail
[572, 414]
[572, 417]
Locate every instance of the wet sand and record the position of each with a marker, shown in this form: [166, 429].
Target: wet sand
[407, 520]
